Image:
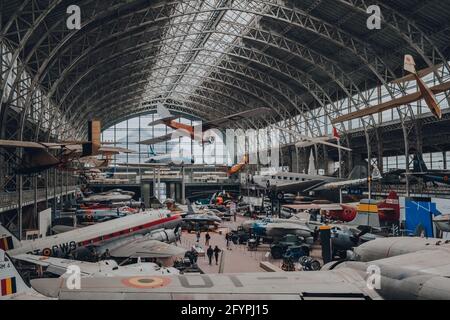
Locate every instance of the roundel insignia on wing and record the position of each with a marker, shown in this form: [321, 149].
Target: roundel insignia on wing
[146, 282]
[47, 252]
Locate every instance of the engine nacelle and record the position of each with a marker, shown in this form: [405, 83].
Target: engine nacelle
[163, 235]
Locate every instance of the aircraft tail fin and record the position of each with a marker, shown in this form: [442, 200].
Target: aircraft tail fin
[367, 215]
[312, 166]
[359, 171]
[418, 164]
[190, 208]
[376, 174]
[11, 281]
[164, 115]
[409, 64]
[7, 240]
[92, 147]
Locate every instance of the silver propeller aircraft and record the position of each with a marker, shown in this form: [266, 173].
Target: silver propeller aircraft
[139, 235]
[419, 272]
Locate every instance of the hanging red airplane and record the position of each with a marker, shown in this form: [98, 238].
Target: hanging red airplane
[196, 132]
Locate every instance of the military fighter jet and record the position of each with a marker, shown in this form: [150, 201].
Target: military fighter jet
[277, 228]
[204, 219]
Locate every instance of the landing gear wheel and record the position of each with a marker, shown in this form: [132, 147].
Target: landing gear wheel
[280, 195]
[315, 265]
[276, 253]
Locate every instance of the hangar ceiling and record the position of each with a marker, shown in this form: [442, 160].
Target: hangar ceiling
[208, 58]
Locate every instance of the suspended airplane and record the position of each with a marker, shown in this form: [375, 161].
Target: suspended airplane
[38, 156]
[408, 269]
[196, 132]
[426, 93]
[239, 166]
[306, 141]
[136, 235]
[168, 158]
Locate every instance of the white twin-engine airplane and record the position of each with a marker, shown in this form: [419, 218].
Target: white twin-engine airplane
[145, 234]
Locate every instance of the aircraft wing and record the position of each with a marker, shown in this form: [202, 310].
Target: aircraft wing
[249, 114]
[145, 248]
[300, 186]
[391, 104]
[434, 261]
[21, 144]
[379, 108]
[58, 266]
[342, 284]
[325, 206]
[156, 140]
[116, 150]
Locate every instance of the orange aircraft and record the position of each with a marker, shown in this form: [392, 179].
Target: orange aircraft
[239, 166]
[196, 132]
[426, 93]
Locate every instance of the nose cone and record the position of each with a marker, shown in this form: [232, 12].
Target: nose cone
[46, 287]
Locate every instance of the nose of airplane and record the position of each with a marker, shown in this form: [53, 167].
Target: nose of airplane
[46, 287]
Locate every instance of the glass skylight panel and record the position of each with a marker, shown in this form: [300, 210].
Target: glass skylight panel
[189, 29]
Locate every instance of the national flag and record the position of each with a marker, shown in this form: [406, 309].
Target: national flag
[336, 133]
[8, 286]
[6, 243]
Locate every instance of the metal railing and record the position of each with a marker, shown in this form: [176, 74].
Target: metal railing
[11, 199]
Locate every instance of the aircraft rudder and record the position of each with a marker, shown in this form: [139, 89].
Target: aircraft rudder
[11, 282]
[409, 64]
[7, 240]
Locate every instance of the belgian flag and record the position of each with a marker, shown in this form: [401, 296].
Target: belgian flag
[6, 243]
[8, 286]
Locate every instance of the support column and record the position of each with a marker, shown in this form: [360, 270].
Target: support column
[154, 182]
[183, 187]
[158, 191]
[35, 197]
[380, 153]
[19, 189]
[444, 158]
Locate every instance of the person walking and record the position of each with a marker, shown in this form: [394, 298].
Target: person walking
[228, 238]
[207, 238]
[216, 254]
[198, 236]
[210, 253]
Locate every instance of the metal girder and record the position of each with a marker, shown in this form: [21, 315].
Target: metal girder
[63, 57]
